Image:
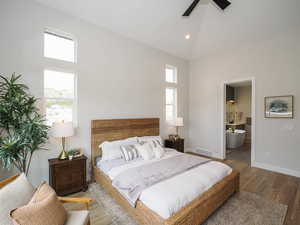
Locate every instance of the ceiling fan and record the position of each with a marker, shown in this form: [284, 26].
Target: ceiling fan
[223, 4]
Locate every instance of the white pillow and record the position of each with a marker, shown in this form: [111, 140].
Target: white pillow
[158, 152]
[112, 149]
[13, 195]
[145, 151]
[156, 139]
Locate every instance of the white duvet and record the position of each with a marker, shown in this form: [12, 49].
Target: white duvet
[169, 196]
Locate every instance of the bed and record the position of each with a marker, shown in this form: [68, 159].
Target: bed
[194, 213]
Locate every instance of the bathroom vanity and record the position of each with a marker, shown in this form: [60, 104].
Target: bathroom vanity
[239, 126]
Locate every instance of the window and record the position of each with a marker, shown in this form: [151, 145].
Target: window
[59, 86]
[171, 92]
[171, 74]
[59, 92]
[58, 46]
[171, 103]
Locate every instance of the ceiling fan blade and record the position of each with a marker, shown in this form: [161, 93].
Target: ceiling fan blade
[191, 8]
[223, 4]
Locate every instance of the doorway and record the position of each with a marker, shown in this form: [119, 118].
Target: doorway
[238, 120]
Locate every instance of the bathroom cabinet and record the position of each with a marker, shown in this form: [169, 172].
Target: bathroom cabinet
[236, 126]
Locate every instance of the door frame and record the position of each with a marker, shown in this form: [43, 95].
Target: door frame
[223, 116]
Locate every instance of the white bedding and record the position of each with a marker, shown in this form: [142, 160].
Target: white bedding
[117, 170]
[168, 197]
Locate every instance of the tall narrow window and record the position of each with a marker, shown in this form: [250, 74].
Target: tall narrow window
[171, 92]
[59, 92]
[171, 104]
[171, 74]
[59, 46]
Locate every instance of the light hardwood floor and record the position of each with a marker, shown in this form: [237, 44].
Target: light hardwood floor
[272, 186]
[242, 153]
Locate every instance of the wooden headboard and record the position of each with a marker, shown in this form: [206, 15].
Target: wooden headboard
[117, 129]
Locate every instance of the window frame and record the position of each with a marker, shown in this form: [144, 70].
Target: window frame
[75, 99]
[175, 103]
[64, 35]
[174, 86]
[174, 68]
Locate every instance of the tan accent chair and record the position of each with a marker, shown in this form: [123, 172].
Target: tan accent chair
[74, 217]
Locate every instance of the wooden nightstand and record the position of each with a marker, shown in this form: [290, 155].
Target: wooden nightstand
[68, 176]
[177, 144]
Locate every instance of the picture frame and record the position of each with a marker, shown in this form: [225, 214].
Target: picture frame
[279, 107]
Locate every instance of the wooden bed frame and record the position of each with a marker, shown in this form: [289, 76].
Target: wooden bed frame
[194, 213]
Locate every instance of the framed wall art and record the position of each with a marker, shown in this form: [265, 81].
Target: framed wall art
[279, 107]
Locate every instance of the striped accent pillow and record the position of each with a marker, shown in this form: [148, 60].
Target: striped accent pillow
[156, 144]
[129, 152]
[157, 139]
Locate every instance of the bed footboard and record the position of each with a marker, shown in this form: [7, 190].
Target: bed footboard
[194, 213]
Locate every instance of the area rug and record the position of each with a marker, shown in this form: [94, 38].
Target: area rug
[242, 209]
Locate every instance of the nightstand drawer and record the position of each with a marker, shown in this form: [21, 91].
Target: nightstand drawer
[70, 181]
[68, 176]
[77, 166]
[177, 144]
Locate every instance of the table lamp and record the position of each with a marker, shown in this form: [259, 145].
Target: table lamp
[62, 130]
[178, 123]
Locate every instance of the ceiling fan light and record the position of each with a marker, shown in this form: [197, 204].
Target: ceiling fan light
[187, 36]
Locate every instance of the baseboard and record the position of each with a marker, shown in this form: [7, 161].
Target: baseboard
[205, 152]
[276, 169]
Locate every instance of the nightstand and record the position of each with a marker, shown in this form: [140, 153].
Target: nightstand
[177, 144]
[68, 176]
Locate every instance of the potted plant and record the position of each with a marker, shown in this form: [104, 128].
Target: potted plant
[74, 153]
[22, 128]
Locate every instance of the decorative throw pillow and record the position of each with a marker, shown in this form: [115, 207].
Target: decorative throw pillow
[42, 192]
[145, 151]
[129, 152]
[43, 209]
[15, 194]
[154, 140]
[158, 151]
[111, 149]
[155, 144]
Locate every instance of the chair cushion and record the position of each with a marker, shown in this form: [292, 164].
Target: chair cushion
[42, 192]
[78, 217]
[15, 194]
[44, 208]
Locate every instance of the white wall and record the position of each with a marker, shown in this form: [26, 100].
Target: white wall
[275, 64]
[117, 77]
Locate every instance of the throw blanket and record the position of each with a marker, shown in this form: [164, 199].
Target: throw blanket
[133, 181]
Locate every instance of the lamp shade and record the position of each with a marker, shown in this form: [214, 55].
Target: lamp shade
[179, 122]
[62, 129]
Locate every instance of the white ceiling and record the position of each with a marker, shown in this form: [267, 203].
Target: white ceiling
[158, 23]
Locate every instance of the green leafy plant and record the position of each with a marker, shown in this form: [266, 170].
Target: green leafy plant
[22, 127]
[74, 152]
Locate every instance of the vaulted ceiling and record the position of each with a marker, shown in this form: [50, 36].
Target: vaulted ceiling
[158, 23]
